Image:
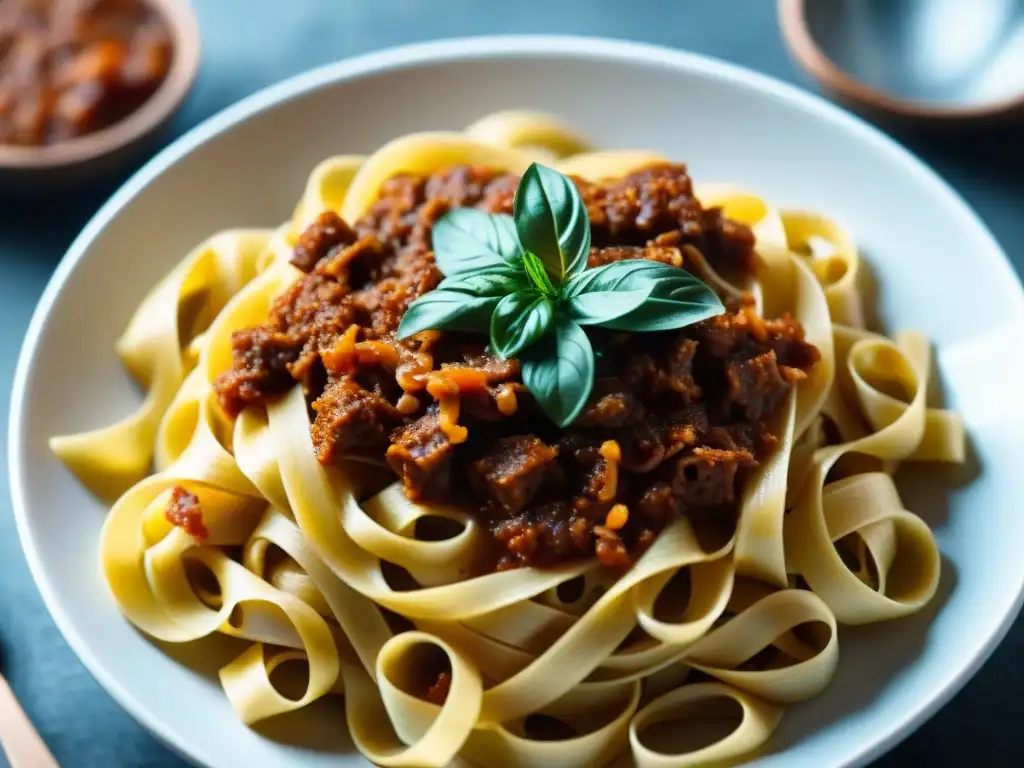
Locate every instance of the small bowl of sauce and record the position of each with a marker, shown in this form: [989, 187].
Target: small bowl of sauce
[84, 82]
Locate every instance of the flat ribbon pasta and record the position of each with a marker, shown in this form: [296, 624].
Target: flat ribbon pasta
[111, 459]
[325, 566]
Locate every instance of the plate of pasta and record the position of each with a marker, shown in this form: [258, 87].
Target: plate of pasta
[624, 408]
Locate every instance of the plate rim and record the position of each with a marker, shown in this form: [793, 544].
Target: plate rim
[410, 56]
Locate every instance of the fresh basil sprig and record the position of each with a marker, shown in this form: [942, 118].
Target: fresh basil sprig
[524, 280]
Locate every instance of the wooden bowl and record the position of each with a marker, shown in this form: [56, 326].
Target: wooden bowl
[905, 60]
[27, 170]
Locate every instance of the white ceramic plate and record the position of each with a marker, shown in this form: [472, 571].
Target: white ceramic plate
[938, 269]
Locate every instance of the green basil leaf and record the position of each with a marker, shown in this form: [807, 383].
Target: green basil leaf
[676, 298]
[625, 275]
[496, 281]
[604, 306]
[447, 310]
[466, 240]
[537, 274]
[552, 222]
[559, 371]
[518, 321]
[601, 294]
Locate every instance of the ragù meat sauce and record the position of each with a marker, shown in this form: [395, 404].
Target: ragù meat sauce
[676, 421]
[72, 67]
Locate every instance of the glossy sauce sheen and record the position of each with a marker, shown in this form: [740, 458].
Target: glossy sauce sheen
[675, 422]
[71, 67]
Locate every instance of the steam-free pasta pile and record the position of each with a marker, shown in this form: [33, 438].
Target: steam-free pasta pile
[295, 547]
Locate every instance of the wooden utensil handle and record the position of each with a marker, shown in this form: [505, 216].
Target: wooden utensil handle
[18, 737]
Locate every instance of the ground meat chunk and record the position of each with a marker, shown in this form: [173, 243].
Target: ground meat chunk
[658, 200]
[644, 446]
[756, 386]
[327, 232]
[496, 369]
[611, 549]
[460, 186]
[657, 503]
[421, 455]
[645, 203]
[351, 418]
[687, 426]
[786, 337]
[463, 351]
[594, 478]
[610, 406]
[666, 372]
[261, 358]
[733, 437]
[546, 535]
[601, 480]
[500, 194]
[407, 204]
[679, 369]
[706, 477]
[666, 255]
[482, 405]
[742, 332]
[310, 303]
[183, 511]
[513, 469]
[356, 264]
[727, 244]
[643, 374]
[392, 217]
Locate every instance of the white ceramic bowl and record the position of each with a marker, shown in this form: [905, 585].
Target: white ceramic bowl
[938, 268]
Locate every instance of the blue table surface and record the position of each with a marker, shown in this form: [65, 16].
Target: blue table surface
[272, 39]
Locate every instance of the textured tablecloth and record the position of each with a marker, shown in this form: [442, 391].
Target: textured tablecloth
[248, 44]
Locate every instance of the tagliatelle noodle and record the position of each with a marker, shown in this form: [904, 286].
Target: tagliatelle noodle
[311, 586]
